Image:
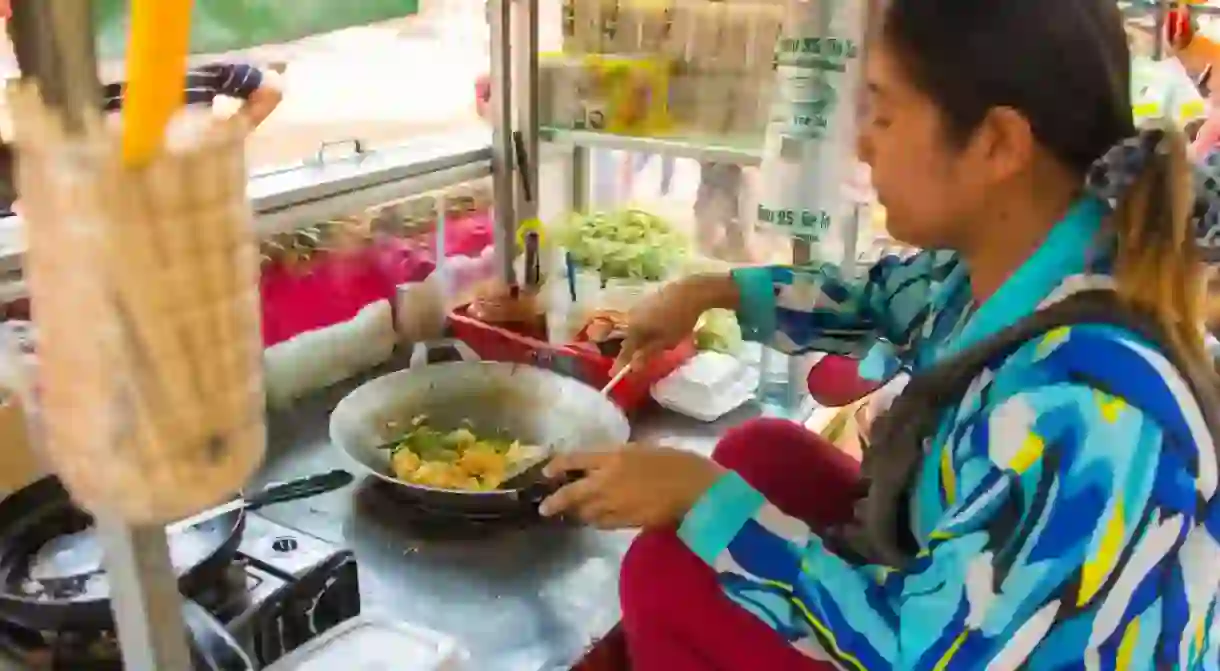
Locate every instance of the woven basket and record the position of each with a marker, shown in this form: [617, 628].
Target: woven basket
[149, 376]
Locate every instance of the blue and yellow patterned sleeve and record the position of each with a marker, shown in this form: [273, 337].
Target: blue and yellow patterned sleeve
[815, 308]
[1059, 505]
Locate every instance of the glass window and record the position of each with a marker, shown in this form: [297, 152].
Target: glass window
[711, 204]
[383, 84]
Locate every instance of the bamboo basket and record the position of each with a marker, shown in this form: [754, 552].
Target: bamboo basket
[149, 377]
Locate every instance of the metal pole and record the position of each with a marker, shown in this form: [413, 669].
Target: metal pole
[579, 183]
[144, 597]
[501, 138]
[802, 254]
[525, 82]
[1162, 13]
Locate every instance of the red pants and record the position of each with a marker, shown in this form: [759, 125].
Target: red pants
[674, 613]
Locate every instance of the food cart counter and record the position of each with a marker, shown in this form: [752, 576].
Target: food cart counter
[520, 594]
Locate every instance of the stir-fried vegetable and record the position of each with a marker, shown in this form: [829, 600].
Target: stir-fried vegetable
[456, 459]
[627, 244]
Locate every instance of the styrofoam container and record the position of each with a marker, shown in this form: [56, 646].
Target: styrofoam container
[375, 643]
[707, 387]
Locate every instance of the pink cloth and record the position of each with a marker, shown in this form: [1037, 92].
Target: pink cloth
[336, 285]
[834, 381]
[675, 615]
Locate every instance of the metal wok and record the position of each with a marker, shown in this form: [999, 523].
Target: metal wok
[533, 405]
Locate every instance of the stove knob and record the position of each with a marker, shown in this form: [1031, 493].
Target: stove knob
[284, 544]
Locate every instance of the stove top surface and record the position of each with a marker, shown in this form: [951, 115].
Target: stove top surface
[283, 588]
[521, 593]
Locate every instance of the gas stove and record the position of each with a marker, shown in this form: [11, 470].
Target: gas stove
[283, 589]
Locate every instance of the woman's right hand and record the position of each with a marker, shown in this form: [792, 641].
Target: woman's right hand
[661, 321]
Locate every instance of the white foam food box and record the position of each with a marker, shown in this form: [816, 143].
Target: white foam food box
[371, 642]
[708, 386]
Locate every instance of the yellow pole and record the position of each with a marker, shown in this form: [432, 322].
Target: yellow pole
[157, 49]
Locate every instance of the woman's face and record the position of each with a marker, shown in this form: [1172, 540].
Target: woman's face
[930, 187]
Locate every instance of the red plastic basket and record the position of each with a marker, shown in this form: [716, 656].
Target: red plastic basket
[581, 360]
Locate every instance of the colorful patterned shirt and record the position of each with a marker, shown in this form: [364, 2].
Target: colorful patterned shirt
[1065, 512]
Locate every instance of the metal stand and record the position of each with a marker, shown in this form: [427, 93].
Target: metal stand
[525, 78]
[1162, 13]
[578, 198]
[144, 597]
[502, 137]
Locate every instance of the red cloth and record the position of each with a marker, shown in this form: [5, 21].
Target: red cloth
[674, 613]
[834, 381]
[1179, 26]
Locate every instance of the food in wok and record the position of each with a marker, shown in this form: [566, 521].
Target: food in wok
[456, 459]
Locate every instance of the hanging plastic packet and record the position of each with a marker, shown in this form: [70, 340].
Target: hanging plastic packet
[810, 142]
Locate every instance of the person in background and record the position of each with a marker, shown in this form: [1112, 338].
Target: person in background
[1062, 513]
[719, 230]
[259, 91]
[634, 164]
[482, 97]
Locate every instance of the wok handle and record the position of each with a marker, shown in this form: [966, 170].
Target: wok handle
[213, 648]
[533, 495]
[419, 354]
[300, 488]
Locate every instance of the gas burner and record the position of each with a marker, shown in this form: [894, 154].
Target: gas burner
[283, 588]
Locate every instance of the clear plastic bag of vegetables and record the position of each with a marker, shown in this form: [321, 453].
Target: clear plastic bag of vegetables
[718, 331]
[623, 244]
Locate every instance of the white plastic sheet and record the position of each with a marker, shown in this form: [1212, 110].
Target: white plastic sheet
[809, 153]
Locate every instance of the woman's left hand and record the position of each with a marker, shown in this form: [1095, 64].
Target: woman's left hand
[634, 486]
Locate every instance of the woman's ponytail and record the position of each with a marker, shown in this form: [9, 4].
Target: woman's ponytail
[1157, 266]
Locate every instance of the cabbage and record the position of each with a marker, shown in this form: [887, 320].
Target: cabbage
[718, 331]
[625, 244]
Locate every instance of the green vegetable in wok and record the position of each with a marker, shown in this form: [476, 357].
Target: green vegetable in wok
[455, 459]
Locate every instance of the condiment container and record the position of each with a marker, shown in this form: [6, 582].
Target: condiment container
[374, 643]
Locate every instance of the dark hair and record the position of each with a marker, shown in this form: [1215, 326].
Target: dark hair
[1066, 67]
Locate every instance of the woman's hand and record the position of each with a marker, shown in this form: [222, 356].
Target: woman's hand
[661, 321]
[633, 486]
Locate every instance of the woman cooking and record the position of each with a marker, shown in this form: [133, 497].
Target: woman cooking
[1062, 512]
